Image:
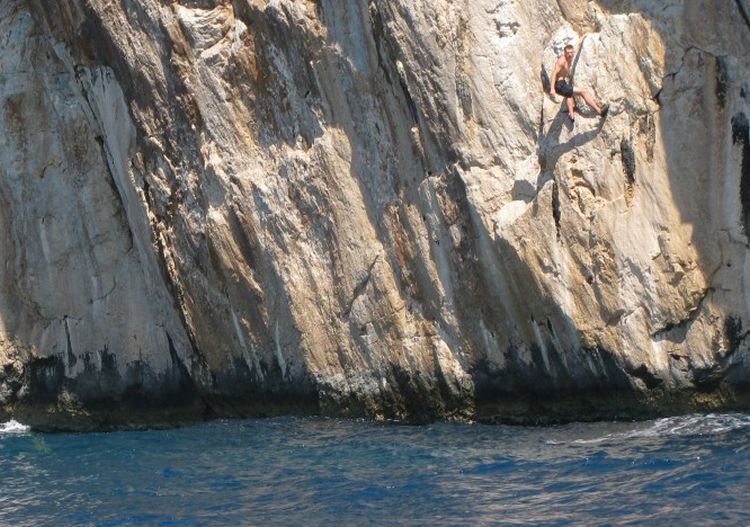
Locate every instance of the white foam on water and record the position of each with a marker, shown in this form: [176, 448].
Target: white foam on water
[681, 426]
[596, 440]
[13, 427]
[691, 425]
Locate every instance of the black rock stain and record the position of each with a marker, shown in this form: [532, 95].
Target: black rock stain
[740, 136]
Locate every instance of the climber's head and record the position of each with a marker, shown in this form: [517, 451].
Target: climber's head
[570, 52]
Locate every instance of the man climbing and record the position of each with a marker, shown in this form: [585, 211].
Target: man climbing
[561, 83]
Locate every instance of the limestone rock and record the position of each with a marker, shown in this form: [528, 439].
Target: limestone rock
[371, 208]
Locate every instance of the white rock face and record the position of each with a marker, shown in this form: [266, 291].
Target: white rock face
[371, 208]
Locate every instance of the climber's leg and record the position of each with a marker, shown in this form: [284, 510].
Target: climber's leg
[571, 108]
[589, 99]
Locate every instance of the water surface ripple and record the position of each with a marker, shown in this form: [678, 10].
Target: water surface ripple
[310, 471]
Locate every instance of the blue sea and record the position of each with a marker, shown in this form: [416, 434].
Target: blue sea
[691, 470]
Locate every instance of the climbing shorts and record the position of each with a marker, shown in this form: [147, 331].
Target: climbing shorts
[563, 88]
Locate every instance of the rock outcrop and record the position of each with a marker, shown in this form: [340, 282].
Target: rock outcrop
[244, 207]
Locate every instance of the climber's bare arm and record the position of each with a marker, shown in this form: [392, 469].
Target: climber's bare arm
[555, 73]
[580, 43]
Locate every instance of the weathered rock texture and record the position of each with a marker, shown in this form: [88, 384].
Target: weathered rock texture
[371, 208]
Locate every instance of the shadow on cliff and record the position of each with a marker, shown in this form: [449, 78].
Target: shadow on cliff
[551, 149]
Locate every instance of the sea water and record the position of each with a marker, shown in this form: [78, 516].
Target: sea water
[312, 471]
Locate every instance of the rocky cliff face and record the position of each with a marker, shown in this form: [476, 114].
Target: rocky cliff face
[371, 208]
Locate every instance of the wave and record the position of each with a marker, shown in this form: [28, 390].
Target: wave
[13, 427]
[680, 426]
[691, 425]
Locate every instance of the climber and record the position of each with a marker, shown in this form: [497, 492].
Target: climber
[561, 83]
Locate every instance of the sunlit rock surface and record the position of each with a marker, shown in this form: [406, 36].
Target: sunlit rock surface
[371, 209]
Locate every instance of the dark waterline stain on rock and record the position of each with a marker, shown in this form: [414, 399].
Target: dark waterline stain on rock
[44, 378]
